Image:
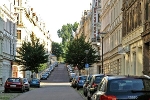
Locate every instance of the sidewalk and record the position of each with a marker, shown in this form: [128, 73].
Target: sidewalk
[1, 88]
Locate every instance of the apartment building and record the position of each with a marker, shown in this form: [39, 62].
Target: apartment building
[132, 27]
[7, 39]
[90, 27]
[111, 29]
[28, 22]
[94, 36]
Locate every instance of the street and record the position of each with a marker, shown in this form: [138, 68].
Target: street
[56, 87]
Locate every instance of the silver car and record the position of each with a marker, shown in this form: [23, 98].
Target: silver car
[26, 83]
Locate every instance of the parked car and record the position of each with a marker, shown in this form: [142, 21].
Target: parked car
[35, 82]
[26, 83]
[80, 81]
[44, 77]
[74, 81]
[86, 84]
[93, 84]
[123, 88]
[14, 84]
[71, 76]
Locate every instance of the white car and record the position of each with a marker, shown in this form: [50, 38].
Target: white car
[26, 83]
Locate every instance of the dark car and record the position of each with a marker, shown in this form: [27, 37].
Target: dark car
[86, 84]
[35, 83]
[93, 84]
[123, 88]
[80, 81]
[14, 84]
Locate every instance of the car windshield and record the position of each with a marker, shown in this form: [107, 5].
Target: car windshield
[124, 85]
[13, 80]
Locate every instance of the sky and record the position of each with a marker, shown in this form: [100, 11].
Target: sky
[56, 13]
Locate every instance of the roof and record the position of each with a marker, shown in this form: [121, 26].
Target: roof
[111, 77]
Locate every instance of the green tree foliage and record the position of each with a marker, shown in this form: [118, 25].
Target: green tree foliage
[66, 33]
[76, 53]
[56, 49]
[32, 54]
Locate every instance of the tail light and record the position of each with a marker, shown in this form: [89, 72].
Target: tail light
[108, 97]
[94, 85]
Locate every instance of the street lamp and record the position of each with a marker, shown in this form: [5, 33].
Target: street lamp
[87, 65]
[102, 36]
[86, 51]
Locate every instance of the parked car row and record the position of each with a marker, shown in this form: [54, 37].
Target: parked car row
[116, 87]
[20, 84]
[71, 73]
[45, 75]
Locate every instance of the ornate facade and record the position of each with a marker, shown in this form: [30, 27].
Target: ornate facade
[7, 39]
[132, 27]
[146, 37]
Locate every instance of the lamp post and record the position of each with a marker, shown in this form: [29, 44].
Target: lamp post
[86, 51]
[102, 36]
[86, 65]
[102, 54]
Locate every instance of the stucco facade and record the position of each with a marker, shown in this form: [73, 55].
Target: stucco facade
[17, 21]
[132, 28]
[7, 39]
[112, 60]
[28, 22]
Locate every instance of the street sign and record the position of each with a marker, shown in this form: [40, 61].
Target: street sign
[86, 65]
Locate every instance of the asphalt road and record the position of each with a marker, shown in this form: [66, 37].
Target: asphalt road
[56, 87]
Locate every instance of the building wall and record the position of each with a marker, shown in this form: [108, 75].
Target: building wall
[7, 39]
[111, 26]
[131, 37]
[145, 37]
[28, 22]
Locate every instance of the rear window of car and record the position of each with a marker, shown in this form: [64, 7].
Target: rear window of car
[98, 79]
[13, 80]
[25, 80]
[123, 85]
[35, 80]
[82, 77]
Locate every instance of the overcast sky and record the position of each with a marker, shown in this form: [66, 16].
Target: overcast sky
[56, 13]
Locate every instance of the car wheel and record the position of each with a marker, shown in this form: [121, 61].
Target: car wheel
[85, 94]
[6, 90]
[88, 98]
[28, 89]
[22, 90]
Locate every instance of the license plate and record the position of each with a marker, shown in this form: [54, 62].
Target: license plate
[12, 85]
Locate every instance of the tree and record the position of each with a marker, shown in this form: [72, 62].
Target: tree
[32, 54]
[67, 35]
[56, 49]
[76, 53]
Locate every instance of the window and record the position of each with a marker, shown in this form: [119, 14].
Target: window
[16, 2]
[18, 34]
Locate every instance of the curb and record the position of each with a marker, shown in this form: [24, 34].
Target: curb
[80, 94]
